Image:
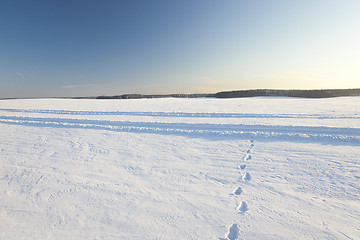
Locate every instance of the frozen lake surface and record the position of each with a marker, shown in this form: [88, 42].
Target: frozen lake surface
[250, 168]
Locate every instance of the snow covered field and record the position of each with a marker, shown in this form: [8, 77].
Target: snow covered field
[250, 168]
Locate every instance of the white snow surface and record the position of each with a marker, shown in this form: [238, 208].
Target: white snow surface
[248, 168]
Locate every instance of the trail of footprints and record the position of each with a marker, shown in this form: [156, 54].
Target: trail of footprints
[242, 207]
[233, 230]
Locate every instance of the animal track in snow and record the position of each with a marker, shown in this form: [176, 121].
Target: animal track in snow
[243, 207]
[248, 151]
[246, 177]
[242, 166]
[238, 191]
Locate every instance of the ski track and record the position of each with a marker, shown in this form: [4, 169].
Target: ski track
[289, 133]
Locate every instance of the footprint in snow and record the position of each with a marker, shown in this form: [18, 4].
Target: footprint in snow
[248, 151]
[242, 167]
[233, 233]
[243, 207]
[247, 157]
[246, 177]
[237, 191]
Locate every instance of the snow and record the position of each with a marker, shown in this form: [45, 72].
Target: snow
[250, 168]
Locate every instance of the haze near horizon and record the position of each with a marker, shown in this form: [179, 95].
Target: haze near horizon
[90, 48]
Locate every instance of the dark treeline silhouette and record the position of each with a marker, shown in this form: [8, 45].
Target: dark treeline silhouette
[323, 93]
[138, 96]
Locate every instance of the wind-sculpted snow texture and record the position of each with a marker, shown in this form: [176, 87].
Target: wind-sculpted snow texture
[249, 168]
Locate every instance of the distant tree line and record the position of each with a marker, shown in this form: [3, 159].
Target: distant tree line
[323, 93]
[139, 96]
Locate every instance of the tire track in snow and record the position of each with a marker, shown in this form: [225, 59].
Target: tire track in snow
[241, 131]
[180, 114]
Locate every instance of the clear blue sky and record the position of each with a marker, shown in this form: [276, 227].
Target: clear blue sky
[87, 48]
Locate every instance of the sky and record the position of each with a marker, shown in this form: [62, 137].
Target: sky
[66, 48]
